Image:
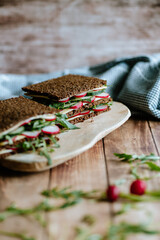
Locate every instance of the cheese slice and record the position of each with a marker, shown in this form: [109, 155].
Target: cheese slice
[3, 151]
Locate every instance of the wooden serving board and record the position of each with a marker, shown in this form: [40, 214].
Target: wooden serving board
[72, 142]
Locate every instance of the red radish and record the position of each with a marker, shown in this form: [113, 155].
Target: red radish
[29, 134]
[26, 122]
[92, 100]
[64, 100]
[103, 95]
[13, 148]
[74, 115]
[81, 113]
[81, 95]
[138, 187]
[77, 105]
[84, 112]
[100, 108]
[50, 117]
[51, 129]
[113, 193]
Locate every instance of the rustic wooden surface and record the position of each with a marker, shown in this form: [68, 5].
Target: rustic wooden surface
[44, 36]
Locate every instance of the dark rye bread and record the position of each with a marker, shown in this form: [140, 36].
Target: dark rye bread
[15, 110]
[66, 86]
[87, 116]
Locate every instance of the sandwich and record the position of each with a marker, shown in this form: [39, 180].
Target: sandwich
[77, 97]
[26, 125]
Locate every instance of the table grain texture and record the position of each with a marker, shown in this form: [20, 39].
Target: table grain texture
[45, 36]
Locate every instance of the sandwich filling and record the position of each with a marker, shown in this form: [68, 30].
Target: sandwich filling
[36, 133]
[78, 107]
[27, 125]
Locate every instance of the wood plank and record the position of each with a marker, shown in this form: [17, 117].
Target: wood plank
[24, 191]
[133, 137]
[85, 172]
[155, 130]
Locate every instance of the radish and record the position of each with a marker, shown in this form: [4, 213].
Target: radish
[13, 148]
[29, 134]
[84, 112]
[75, 115]
[81, 95]
[92, 100]
[102, 95]
[51, 129]
[64, 100]
[78, 105]
[100, 108]
[50, 117]
[26, 122]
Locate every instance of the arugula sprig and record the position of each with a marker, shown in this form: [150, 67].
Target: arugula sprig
[132, 158]
[16, 235]
[61, 119]
[124, 229]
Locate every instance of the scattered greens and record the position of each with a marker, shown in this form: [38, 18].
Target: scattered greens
[69, 198]
[122, 230]
[16, 235]
[132, 158]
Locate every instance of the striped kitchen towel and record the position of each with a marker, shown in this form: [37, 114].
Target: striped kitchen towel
[135, 81]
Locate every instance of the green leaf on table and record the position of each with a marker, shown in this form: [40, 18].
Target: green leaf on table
[16, 235]
[153, 166]
[131, 158]
[122, 230]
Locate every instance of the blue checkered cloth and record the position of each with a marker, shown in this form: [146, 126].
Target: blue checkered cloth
[135, 81]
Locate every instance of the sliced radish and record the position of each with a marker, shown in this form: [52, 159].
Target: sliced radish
[78, 105]
[85, 112]
[75, 115]
[13, 148]
[51, 129]
[81, 95]
[100, 108]
[64, 100]
[26, 122]
[31, 134]
[92, 100]
[50, 117]
[102, 95]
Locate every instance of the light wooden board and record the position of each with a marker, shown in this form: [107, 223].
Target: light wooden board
[72, 142]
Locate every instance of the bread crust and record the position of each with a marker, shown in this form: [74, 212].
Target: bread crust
[65, 86]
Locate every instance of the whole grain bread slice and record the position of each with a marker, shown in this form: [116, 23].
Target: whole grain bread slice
[65, 86]
[16, 110]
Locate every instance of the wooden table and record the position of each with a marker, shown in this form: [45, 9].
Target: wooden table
[44, 36]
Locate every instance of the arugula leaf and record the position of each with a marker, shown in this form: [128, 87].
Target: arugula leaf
[94, 93]
[17, 131]
[131, 158]
[60, 105]
[123, 229]
[16, 235]
[10, 141]
[65, 123]
[153, 166]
